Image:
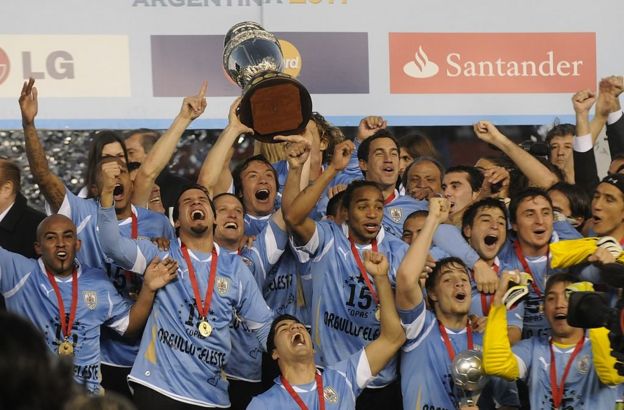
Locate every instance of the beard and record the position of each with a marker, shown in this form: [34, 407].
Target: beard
[199, 230]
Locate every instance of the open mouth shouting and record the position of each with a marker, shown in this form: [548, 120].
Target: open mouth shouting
[231, 225]
[540, 233]
[490, 240]
[298, 339]
[61, 254]
[460, 296]
[197, 215]
[262, 195]
[118, 192]
[561, 316]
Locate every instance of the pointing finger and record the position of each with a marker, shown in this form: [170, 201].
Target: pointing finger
[203, 89]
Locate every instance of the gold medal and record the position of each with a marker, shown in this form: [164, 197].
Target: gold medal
[204, 328]
[66, 348]
[377, 314]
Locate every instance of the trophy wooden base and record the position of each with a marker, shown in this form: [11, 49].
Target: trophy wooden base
[275, 104]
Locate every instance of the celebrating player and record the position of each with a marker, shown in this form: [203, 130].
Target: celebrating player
[426, 363]
[68, 302]
[186, 342]
[338, 386]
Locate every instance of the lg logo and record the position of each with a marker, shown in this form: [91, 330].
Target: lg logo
[57, 64]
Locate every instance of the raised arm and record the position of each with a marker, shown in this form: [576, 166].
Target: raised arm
[51, 185]
[392, 336]
[585, 172]
[157, 275]
[609, 107]
[582, 102]
[498, 358]
[217, 161]
[298, 155]
[537, 173]
[408, 291]
[127, 253]
[296, 215]
[161, 153]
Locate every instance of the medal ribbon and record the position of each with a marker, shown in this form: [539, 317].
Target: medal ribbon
[135, 225]
[362, 269]
[447, 341]
[390, 198]
[486, 299]
[66, 325]
[527, 269]
[134, 234]
[202, 308]
[557, 390]
[295, 396]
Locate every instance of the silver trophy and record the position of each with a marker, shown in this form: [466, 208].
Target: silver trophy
[273, 102]
[468, 375]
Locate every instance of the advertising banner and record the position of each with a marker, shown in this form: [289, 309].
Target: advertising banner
[129, 63]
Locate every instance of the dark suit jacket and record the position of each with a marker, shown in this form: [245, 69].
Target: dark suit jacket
[18, 228]
[585, 171]
[615, 136]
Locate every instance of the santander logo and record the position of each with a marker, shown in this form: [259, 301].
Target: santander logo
[421, 66]
[491, 62]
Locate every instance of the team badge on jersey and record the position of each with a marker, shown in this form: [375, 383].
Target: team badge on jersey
[90, 299]
[223, 285]
[583, 364]
[396, 214]
[330, 395]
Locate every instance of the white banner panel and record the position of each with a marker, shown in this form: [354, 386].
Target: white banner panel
[67, 66]
[127, 63]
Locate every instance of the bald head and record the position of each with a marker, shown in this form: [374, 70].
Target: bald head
[57, 244]
[55, 221]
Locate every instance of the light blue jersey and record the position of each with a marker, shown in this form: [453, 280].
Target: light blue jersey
[480, 300]
[582, 388]
[246, 358]
[255, 224]
[27, 291]
[281, 285]
[174, 359]
[343, 309]
[397, 211]
[448, 237]
[342, 383]
[426, 381]
[281, 168]
[83, 213]
[117, 351]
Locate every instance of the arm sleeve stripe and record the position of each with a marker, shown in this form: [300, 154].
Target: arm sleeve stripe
[17, 287]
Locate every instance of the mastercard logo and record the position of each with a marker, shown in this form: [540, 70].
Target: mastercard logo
[292, 58]
[5, 66]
